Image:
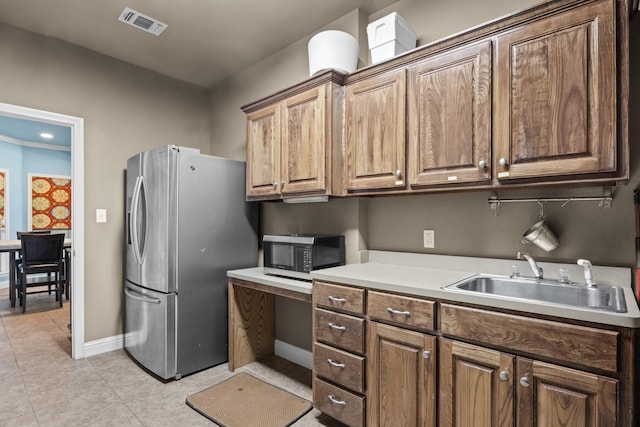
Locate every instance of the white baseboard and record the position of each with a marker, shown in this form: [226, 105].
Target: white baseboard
[294, 354]
[287, 351]
[103, 345]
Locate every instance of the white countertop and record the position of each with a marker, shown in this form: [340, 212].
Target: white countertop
[426, 275]
[256, 275]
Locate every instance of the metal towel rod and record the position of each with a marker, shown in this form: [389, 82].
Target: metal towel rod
[606, 200]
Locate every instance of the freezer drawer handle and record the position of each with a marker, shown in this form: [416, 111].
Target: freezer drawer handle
[139, 296]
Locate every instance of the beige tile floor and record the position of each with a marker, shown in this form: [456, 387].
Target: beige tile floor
[40, 385]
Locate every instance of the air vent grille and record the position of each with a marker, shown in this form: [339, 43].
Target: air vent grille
[144, 22]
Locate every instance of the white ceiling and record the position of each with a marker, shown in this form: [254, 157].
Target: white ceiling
[205, 40]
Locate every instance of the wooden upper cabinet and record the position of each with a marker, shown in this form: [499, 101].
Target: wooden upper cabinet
[290, 139]
[302, 159]
[263, 152]
[449, 120]
[555, 95]
[375, 132]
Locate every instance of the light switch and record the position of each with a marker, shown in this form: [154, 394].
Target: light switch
[101, 215]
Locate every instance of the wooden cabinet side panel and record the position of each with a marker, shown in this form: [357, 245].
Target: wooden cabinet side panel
[251, 325]
[263, 151]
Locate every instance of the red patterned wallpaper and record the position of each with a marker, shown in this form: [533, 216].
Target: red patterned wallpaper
[1, 199]
[50, 202]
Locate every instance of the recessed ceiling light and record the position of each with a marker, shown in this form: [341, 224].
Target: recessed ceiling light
[46, 135]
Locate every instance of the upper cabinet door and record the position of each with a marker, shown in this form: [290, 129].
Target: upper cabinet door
[263, 152]
[450, 117]
[304, 142]
[555, 107]
[375, 132]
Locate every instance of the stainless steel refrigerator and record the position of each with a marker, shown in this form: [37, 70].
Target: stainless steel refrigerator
[187, 223]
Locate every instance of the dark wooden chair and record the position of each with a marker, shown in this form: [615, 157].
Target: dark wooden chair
[19, 256]
[41, 254]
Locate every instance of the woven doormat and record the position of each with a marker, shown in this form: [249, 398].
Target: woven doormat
[245, 401]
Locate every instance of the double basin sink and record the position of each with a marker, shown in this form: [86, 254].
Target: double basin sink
[598, 297]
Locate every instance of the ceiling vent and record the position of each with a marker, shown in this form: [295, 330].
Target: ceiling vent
[144, 22]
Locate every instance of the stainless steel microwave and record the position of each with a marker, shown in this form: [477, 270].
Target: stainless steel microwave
[296, 255]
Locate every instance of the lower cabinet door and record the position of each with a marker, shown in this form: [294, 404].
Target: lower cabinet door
[476, 386]
[401, 377]
[551, 395]
[338, 403]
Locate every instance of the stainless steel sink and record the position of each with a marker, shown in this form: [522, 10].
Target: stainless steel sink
[601, 297]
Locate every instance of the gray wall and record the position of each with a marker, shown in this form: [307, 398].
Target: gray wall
[125, 110]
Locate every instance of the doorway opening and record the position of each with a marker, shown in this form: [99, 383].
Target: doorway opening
[76, 126]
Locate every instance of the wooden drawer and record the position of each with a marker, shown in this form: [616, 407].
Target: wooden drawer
[338, 366]
[581, 345]
[341, 330]
[338, 297]
[338, 403]
[406, 311]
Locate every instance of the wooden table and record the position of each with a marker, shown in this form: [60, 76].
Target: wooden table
[252, 315]
[13, 247]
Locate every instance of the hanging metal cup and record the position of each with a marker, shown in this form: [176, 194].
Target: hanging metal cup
[540, 235]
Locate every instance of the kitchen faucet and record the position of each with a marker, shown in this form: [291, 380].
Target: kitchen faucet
[537, 271]
[588, 273]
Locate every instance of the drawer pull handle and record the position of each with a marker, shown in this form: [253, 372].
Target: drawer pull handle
[338, 327]
[336, 401]
[336, 364]
[398, 312]
[335, 299]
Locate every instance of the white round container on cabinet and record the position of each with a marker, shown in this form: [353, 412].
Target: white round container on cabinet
[333, 50]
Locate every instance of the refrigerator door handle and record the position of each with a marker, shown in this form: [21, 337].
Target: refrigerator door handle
[137, 295]
[134, 220]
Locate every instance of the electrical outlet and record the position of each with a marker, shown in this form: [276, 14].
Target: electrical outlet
[429, 239]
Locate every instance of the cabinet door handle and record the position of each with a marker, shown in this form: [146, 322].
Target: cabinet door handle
[482, 164]
[398, 312]
[504, 375]
[336, 364]
[338, 327]
[336, 401]
[336, 299]
[524, 381]
[503, 162]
